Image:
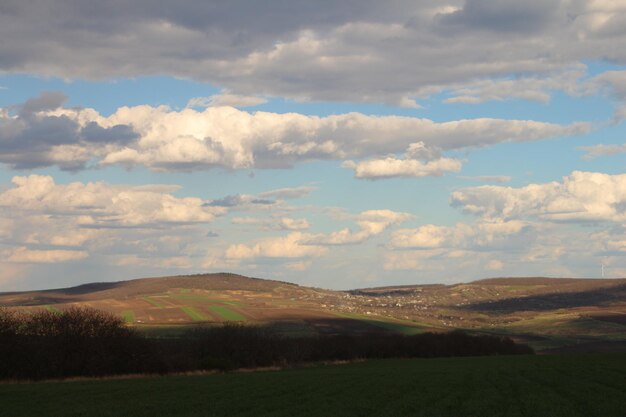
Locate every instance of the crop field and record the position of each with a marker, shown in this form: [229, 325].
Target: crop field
[154, 302]
[534, 386]
[128, 316]
[52, 309]
[227, 314]
[194, 314]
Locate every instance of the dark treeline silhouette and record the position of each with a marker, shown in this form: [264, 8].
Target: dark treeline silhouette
[88, 342]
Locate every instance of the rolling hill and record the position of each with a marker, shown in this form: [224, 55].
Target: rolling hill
[548, 313]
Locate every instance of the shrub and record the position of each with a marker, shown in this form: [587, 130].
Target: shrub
[88, 342]
[77, 341]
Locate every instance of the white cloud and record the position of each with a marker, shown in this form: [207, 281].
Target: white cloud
[595, 151]
[163, 139]
[338, 52]
[103, 205]
[289, 246]
[371, 223]
[526, 88]
[288, 193]
[45, 222]
[581, 196]
[25, 255]
[226, 99]
[461, 236]
[279, 223]
[33, 135]
[390, 167]
[298, 245]
[418, 161]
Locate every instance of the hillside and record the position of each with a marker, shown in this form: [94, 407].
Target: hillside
[546, 312]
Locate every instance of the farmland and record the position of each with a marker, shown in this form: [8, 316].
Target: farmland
[570, 385]
[549, 314]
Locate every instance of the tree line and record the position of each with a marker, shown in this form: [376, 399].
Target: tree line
[89, 342]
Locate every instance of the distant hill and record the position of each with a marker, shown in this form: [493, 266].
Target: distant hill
[546, 312]
[143, 286]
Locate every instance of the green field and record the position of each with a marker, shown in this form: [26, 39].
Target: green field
[227, 313]
[128, 316]
[194, 314]
[534, 386]
[52, 309]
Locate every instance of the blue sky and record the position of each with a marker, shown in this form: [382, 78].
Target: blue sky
[343, 147]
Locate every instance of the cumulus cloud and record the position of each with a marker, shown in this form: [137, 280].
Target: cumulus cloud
[343, 51]
[370, 222]
[581, 196]
[37, 137]
[289, 246]
[280, 223]
[103, 205]
[296, 249]
[164, 139]
[45, 222]
[418, 161]
[461, 236]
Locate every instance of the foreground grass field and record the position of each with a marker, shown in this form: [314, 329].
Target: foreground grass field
[587, 385]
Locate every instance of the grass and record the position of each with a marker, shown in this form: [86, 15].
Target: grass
[227, 314]
[128, 316]
[194, 314]
[537, 386]
[52, 309]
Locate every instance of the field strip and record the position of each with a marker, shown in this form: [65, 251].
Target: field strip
[52, 309]
[194, 314]
[128, 316]
[193, 297]
[227, 313]
[153, 302]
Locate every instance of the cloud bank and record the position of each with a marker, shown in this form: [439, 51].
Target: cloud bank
[43, 133]
[345, 51]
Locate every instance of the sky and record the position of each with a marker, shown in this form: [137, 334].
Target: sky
[336, 144]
